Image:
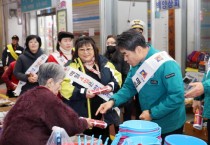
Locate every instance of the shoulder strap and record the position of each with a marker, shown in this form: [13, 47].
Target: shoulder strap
[59, 58]
[14, 55]
[148, 68]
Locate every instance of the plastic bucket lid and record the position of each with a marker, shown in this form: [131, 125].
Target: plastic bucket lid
[139, 125]
[179, 139]
[144, 140]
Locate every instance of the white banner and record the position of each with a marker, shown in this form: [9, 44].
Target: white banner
[60, 58]
[148, 68]
[86, 81]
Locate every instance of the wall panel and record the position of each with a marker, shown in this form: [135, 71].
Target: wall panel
[86, 16]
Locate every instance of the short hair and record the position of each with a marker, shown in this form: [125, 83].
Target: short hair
[30, 37]
[50, 70]
[111, 36]
[84, 40]
[130, 39]
[62, 35]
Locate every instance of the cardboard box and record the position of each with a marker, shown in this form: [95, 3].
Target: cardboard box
[190, 130]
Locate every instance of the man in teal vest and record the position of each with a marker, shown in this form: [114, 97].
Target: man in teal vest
[161, 96]
[201, 93]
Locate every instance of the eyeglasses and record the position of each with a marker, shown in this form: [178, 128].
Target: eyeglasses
[82, 50]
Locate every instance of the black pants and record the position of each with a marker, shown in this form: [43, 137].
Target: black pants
[178, 131]
[208, 129]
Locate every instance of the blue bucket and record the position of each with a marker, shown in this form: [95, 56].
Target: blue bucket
[179, 139]
[133, 128]
[139, 125]
[144, 140]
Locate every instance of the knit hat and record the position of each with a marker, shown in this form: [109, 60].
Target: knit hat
[137, 24]
[15, 37]
[62, 35]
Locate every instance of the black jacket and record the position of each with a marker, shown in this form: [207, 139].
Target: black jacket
[7, 54]
[78, 100]
[117, 60]
[24, 61]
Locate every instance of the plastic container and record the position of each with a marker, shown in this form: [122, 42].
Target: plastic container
[144, 140]
[88, 142]
[133, 128]
[179, 139]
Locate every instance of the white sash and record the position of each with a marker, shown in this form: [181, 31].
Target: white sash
[34, 68]
[86, 81]
[60, 58]
[148, 68]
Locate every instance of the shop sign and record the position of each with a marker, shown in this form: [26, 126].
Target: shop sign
[30, 5]
[176, 4]
[166, 4]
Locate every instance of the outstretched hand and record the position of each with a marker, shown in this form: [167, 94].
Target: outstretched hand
[197, 90]
[104, 107]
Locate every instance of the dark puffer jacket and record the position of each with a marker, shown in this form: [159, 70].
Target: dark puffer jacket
[24, 61]
[73, 95]
[116, 58]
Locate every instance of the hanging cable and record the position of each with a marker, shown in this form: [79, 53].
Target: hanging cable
[129, 12]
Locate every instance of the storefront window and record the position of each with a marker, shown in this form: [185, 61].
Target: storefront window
[205, 25]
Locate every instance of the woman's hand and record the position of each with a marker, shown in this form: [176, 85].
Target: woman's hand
[14, 86]
[106, 89]
[32, 78]
[90, 124]
[5, 68]
[89, 94]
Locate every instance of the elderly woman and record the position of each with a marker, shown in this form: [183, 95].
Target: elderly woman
[87, 60]
[36, 111]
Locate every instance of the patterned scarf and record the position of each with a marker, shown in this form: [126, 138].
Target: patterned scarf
[90, 65]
